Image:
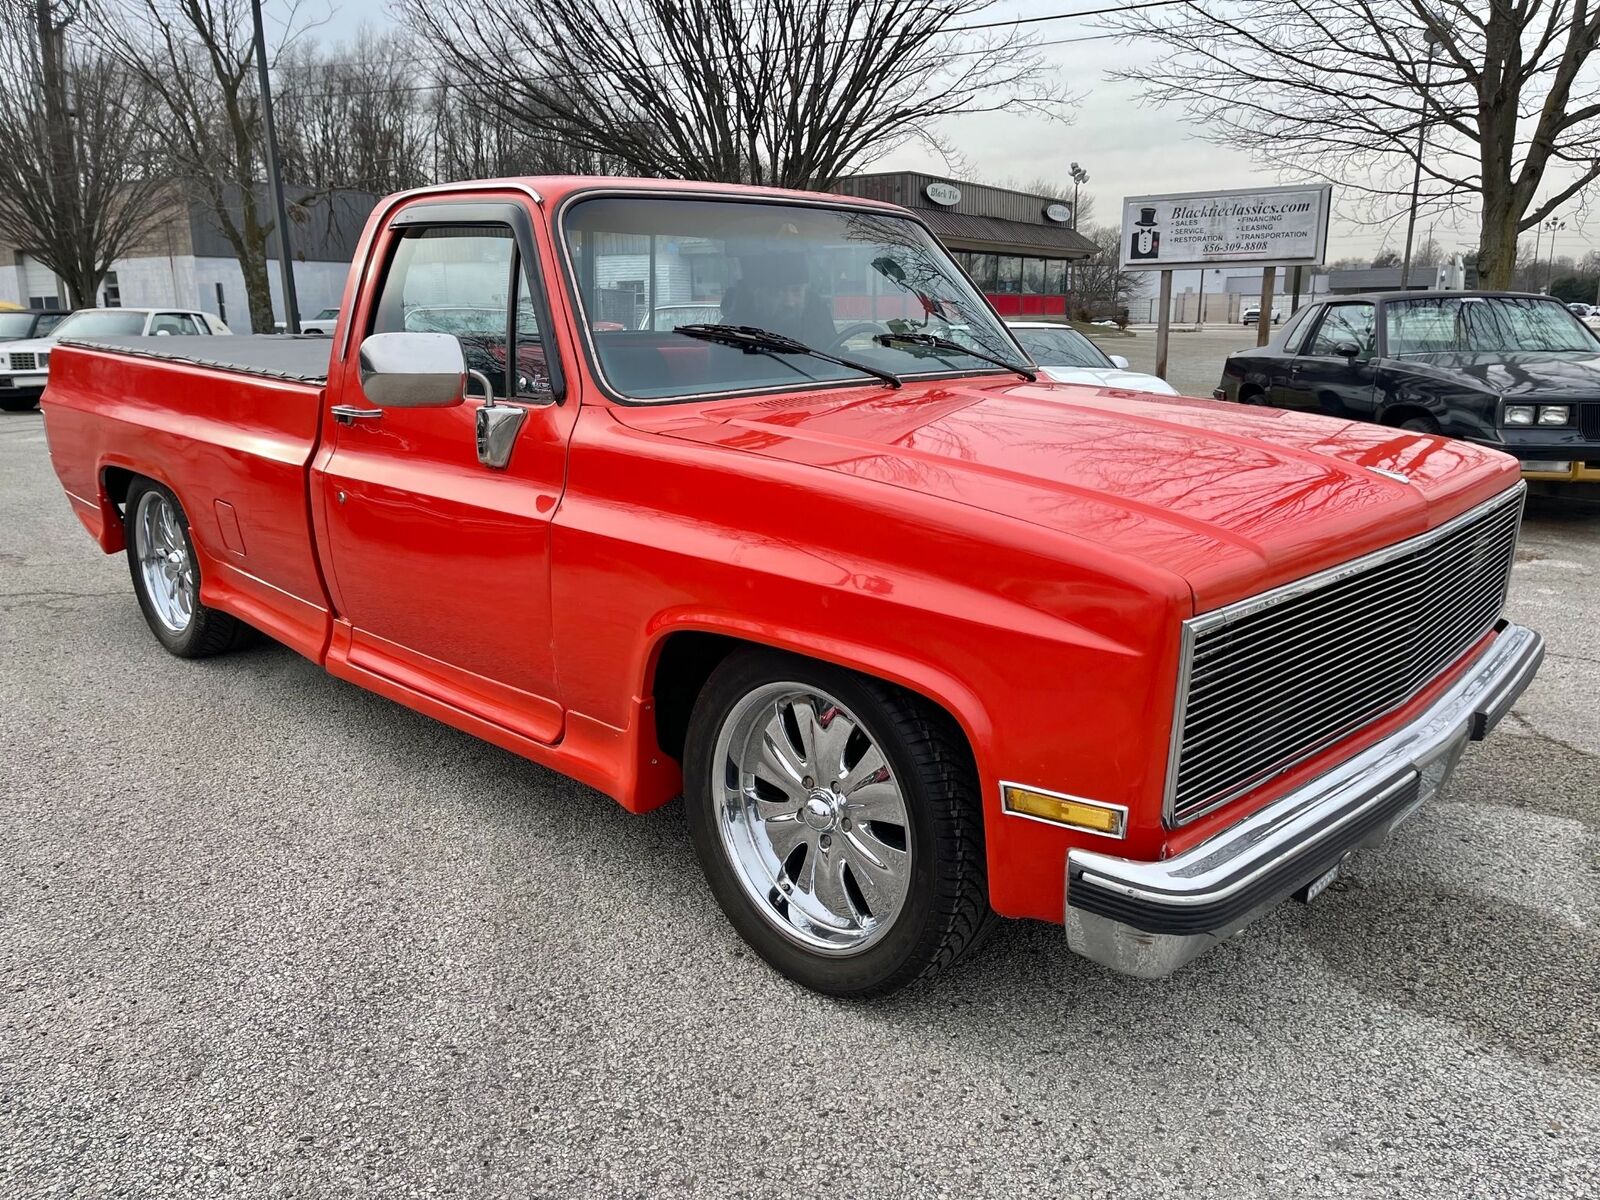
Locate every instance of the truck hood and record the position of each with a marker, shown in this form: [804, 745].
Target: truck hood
[1528, 373]
[1232, 499]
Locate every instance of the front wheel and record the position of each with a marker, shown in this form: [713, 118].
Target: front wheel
[18, 403]
[838, 823]
[166, 577]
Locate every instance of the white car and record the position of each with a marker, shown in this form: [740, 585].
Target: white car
[25, 366]
[1252, 316]
[1066, 356]
[322, 324]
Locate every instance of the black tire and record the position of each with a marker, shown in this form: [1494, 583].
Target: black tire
[209, 631]
[19, 403]
[946, 909]
[1420, 424]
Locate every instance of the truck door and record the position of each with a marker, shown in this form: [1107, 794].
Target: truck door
[438, 564]
[1324, 377]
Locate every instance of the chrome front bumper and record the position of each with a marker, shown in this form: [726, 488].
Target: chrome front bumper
[1149, 918]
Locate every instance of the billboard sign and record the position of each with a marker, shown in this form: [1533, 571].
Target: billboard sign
[1264, 227]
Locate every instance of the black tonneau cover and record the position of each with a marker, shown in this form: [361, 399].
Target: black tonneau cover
[299, 359]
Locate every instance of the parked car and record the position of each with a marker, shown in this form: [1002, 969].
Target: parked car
[1252, 316]
[1580, 310]
[670, 316]
[322, 323]
[916, 643]
[1067, 356]
[25, 365]
[1518, 373]
[21, 324]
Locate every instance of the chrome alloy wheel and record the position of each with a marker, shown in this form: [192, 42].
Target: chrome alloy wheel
[165, 563]
[811, 818]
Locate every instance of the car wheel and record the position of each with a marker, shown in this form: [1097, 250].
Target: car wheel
[18, 403]
[166, 577]
[1420, 424]
[838, 823]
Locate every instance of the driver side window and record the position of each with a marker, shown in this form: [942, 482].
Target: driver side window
[467, 280]
[1343, 324]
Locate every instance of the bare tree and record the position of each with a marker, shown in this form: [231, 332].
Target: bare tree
[352, 116]
[790, 93]
[197, 59]
[470, 137]
[78, 188]
[1341, 89]
[1099, 283]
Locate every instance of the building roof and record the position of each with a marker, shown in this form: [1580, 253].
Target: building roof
[982, 217]
[999, 236]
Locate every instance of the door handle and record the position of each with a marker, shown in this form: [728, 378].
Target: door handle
[349, 414]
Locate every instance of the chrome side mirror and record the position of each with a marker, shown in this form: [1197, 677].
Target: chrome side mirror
[413, 370]
[1119, 362]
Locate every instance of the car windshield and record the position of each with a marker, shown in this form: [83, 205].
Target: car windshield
[1061, 348]
[100, 323]
[834, 279]
[16, 325]
[1483, 324]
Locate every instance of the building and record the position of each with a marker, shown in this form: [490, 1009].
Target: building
[1016, 246]
[1353, 281]
[187, 262]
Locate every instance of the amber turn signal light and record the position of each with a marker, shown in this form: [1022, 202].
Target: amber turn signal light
[1071, 811]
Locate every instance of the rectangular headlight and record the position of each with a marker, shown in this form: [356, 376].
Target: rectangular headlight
[1519, 414]
[1554, 414]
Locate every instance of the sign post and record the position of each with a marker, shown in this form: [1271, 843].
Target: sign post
[1263, 227]
[1269, 281]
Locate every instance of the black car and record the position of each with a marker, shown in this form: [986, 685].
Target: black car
[22, 324]
[1516, 372]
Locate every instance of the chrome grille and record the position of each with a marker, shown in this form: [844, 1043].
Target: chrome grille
[1273, 679]
[22, 361]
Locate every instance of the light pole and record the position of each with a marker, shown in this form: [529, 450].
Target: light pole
[291, 309]
[1555, 226]
[1079, 178]
[1432, 40]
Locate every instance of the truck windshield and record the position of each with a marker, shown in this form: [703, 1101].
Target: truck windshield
[831, 278]
[100, 323]
[1483, 324]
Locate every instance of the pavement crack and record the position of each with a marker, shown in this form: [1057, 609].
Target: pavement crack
[1542, 736]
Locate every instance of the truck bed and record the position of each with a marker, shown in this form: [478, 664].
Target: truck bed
[273, 356]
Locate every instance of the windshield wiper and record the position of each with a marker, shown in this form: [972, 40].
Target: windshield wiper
[763, 341]
[934, 342]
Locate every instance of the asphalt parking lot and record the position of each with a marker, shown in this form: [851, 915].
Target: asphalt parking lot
[265, 934]
[1194, 358]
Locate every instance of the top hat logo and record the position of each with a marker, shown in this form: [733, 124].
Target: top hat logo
[1147, 216]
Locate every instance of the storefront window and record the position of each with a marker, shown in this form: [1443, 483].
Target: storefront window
[1010, 274]
[982, 271]
[1033, 275]
[1055, 277]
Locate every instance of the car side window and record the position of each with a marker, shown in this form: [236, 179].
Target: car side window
[46, 324]
[1295, 332]
[174, 323]
[453, 279]
[1343, 324]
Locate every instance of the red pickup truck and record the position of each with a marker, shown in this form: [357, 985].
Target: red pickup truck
[919, 638]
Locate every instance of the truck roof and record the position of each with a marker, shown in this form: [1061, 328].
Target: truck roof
[297, 359]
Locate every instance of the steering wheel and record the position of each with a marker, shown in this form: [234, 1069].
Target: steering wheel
[856, 329]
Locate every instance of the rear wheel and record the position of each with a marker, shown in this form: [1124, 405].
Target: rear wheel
[166, 577]
[837, 820]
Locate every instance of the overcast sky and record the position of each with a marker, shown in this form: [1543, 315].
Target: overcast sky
[1127, 148]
